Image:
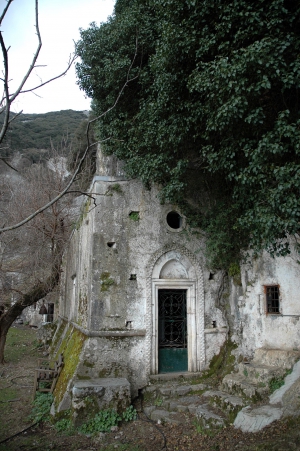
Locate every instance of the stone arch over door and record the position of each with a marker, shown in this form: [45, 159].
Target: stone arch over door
[176, 268]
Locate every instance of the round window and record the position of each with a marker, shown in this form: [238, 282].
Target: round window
[174, 220]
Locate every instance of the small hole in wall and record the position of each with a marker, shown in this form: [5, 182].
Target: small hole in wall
[128, 324]
[174, 220]
[214, 324]
[111, 244]
[211, 276]
[132, 277]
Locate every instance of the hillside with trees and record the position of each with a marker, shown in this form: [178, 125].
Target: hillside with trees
[35, 135]
[213, 111]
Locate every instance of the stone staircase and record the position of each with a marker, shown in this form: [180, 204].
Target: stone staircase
[253, 378]
[175, 401]
[174, 398]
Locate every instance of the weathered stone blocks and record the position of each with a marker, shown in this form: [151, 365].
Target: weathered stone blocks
[90, 396]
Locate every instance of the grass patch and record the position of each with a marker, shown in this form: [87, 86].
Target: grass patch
[6, 396]
[19, 342]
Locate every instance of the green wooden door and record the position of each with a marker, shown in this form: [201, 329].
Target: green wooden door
[172, 331]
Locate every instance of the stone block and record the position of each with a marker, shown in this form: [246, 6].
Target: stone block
[182, 391]
[198, 387]
[276, 357]
[165, 391]
[90, 396]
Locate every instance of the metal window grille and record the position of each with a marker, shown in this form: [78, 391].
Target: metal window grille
[272, 295]
[172, 319]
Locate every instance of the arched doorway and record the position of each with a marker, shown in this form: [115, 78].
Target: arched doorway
[177, 311]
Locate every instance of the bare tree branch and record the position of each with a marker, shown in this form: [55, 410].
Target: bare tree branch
[5, 10]
[81, 161]
[7, 164]
[7, 98]
[72, 58]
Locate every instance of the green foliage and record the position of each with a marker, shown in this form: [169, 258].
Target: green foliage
[234, 269]
[158, 402]
[84, 210]
[116, 187]
[134, 216]
[105, 419]
[129, 414]
[277, 382]
[41, 407]
[64, 425]
[214, 99]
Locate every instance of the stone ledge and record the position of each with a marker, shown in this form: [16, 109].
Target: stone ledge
[107, 333]
[216, 330]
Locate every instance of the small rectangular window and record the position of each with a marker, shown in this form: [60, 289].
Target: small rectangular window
[272, 299]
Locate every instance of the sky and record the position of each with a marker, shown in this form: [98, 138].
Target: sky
[59, 22]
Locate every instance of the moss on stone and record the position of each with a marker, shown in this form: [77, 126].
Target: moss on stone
[88, 364]
[106, 281]
[70, 347]
[220, 365]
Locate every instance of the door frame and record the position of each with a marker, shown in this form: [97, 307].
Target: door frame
[190, 287]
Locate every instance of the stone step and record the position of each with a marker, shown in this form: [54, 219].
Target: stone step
[256, 373]
[182, 404]
[229, 404]
[237, 384]
[182, 376]
[175, 390]
[207, 418]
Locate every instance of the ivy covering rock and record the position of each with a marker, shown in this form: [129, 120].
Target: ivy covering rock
[212, 111]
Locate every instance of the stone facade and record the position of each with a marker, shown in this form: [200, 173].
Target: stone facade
[255, 327]
[125, 249]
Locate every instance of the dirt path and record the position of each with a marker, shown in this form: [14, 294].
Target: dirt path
[16, 383]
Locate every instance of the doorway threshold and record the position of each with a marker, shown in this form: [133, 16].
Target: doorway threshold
[174, 376]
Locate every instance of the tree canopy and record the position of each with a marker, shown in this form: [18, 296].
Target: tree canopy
[213, 112]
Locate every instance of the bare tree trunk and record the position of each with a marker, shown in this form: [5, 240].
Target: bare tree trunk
[37, 292]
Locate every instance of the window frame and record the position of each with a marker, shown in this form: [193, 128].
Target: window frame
[275, 300]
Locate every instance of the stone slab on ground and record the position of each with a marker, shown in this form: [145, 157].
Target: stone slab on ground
[253, 420]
